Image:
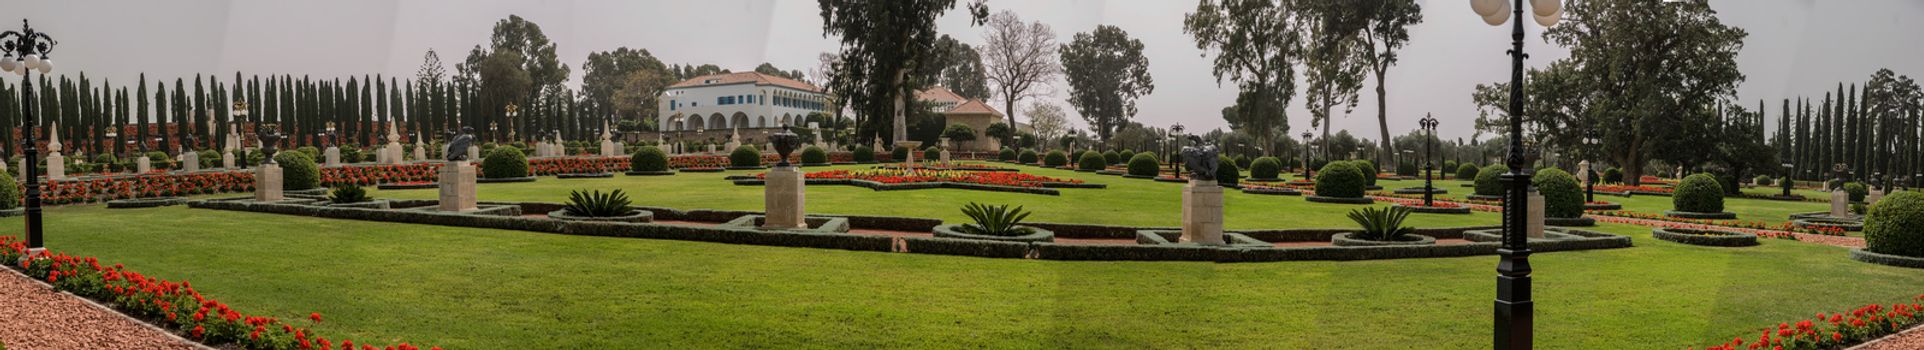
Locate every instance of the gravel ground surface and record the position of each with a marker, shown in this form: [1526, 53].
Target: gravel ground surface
[1908, 340]
[39, 318]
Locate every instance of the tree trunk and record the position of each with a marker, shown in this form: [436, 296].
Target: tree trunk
[1008, 106]
[1382, 117]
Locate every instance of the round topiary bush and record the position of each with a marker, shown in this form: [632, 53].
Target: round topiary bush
[1340, 179]
[1369, 170]
[504, 162]
[1698, 193]
[649, 158]
[297, 171]
[1407, 169]
[899, 154]
[1227, 174]
[1028, 156]
[1143, 164]
[932, 153]
[1055, 159]
[814, 155]
[1857, 190]
[1489, 181]
[1265, 168]
[1613, 175]
[863, 154]
[745, 157]
[1091, 161]
[1242, 162]
[1007, 155]
[1111, 157]
[1895, 225]
[9, 194]
[1762, 180]
[1562, 197]
[1466, 171]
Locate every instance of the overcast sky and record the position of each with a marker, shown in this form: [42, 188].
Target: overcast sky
[1796, 47]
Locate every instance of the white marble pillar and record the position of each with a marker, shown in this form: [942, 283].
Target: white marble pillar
[1874, 196]
[420, 152]
[457, 187]
[56, 166]
[189, 161]
[142, 164]
[1840, 203]
[784, 196]
[333, 156]
[474, 154]
[1202, 212]
[227, 160]
[1535, 210]
[267, 182]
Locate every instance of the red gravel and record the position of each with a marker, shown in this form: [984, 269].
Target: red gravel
[39, 318]
[1908, 340]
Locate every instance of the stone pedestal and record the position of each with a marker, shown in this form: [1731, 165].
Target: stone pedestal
[474, 154]
[56, 166]
[189, 161]
[945, 157]
[1202, 212]
[784, 197]
[1874, 196]
[142, 165]
[608, 149]
[909, 162]
[227, 160]
[1840, 203]
[392, 153]
[420, 152]
[457, 187]
[267, 182]
[711, 148]
[1536, 215]
[1583, 173]
[333, 156]
[621, 149]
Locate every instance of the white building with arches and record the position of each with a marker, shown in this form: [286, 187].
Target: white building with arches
[746, 100]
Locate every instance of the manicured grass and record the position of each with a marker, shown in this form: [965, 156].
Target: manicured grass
[472, 288]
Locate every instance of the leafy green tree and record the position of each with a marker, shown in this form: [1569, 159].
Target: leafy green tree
[1257, 45]
[1385, 33]
[624, 82]
[1333, 60]
[1106, 72]
[882, 42]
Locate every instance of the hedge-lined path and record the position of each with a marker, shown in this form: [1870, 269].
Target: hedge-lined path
[1841, 241]
[40, 318]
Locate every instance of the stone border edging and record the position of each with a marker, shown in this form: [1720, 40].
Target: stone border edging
[1434, 210]
[1345, 240]
[1581, 221]
[1860, 254]
[1038, 234]
[1339, 200]
[1419, 190]
[584, 176]
[636, 215]
[1724, 215]
[1273, 191]
[649, 173]
[150, 202]
[491, 180]
[415, 186]
[818, 224]
[1722, 239]
[1847, 225]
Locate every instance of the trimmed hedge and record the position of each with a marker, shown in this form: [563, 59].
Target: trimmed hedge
[745, 156]
[932, 153]
[298, 171]
[1562, 197]
[1242, 161]
[899, 154]
[1006, 155]
[1895, 225]
[1713, 238]
[1489, 181]
[1265, 168]
[504, 162]
[966, 247]
[1698, 193]
[648, 158]
[1466, 171]
[1857, 191]
[9, 194]
[1028, 156]
[1091, 161]
[814, 155]
[1055, 159]
[863, 154]
[1369, 170]
[1227, 175]
[1613, 175]
[1340, 180]
[1111, 157]
[1143, 164]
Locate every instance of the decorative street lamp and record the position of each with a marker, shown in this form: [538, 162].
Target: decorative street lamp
[1590, 173]
[1306, 152]
[494, 131]
[510, 111]
[240, 114]
[1175, 138]
[1514, 310]
[32, 48]
[107, 140]
[1429, 185]
[327, 135]
[1788, 169]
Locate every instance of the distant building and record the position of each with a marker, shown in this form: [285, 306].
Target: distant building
[960, 110]
[746, 100]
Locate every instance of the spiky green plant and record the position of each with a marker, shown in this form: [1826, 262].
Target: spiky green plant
[348, 194]
[1385, 224]
[597, 204]
[995, 220]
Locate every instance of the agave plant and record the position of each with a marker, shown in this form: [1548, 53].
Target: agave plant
[348, 194]
[597, 204]
[995, 220]
[1384, 224]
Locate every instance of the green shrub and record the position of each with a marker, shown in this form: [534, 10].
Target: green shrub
[9, 193]
[1028, 156]
[1613, 175]
[1143, 164]
[160, 160]
[649, 158]
[1111, 157]
[932, 153]
[1407, 169]
[899, 154]
[1895, 225]
[994, 220]
[349, 193]
[1241, 162]
[1227, 173]
[1007, 155]
[1562, 196]
[1447, 165]
[312, 153]
[745, 156]
[350, 154]
[597, 204]
[814, 155]
[1091, 161]
[1369, 170]
[1761, 180]
[504, 162]
[1055, 159]
[1700, 193]
[1489, 181]
[1265, 168]
[298, 171]
[1857, 191]
[1340, 179]
[1466, 171]
[208, 159]
[104, 158]
[863, 154]
[1381, 224]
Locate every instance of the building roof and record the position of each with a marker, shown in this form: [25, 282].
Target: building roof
[974, 106]
[939, 94]
[758, 79]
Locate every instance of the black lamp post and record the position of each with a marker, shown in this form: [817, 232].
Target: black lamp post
[1514, 312]
[1429, 185]
[1175, 149]
[1791, 181]
[1306, 152]
[31, 48]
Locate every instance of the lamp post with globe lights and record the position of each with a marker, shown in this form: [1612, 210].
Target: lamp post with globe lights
[1514, 312]
[510, 111]
[1306, 152]
[26, 51]
[1429, 185]
[240, 142]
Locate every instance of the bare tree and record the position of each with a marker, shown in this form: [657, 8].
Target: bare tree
[1047, 120]
[1021, 59]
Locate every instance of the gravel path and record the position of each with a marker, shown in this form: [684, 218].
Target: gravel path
[1908, 340]
[39, 318]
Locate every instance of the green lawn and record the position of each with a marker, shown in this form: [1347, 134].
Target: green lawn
[464, 288]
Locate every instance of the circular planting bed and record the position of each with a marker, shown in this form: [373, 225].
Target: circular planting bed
[1846, 224]
[1419, 190]
[651, 173]
[145, 202]
[13, 212]
[701, 170]
[1257, 179]
[1700, 216]
[746, 168]
[1577, 221]
[1886, 259]
[1435, 210]
[1602, 206]
[1344, 240]
[1486, 198]
[407, 185]
[1132, 176]
[488, 180]
[317, 191]
[585, 176]
[1171, 179]
[1272, 191]
[1340, 200]
[954, 231]
[1301, 183]
[634, 216]
[1713, 238]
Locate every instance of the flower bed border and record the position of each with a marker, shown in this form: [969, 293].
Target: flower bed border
[584, 176]
[1860, 254]
[1700, 216]
[1610, 206]
[953, 231]
[1570, 222]
[1339, 200]
[371, 204]
[1419, 190]
[1840, 223]
[1048, 189]
[396, 186]
[650, 173]
[1434, 210]
[818, 224]
[492, 180]
[1565, 239]
[151, 202]
[1681, 235]
[1272, 191]
[635, 215]
[1344, 240]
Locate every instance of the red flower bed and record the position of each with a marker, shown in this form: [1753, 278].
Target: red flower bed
[176, 306]
[997, 178]
[1628, 188]
[1833, 330]
[143, 186]
[576, 165]
[1747, 224]
[379, 174]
